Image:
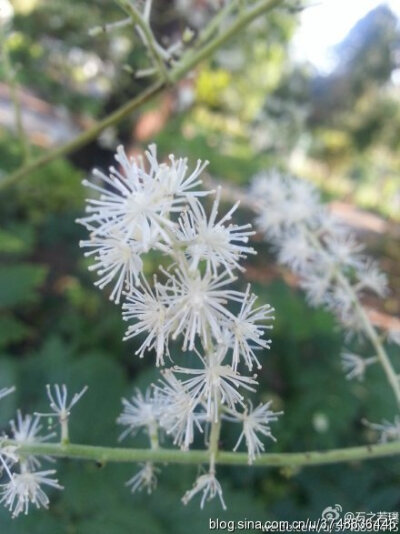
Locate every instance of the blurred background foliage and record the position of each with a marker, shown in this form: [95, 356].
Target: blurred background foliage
[249, 108]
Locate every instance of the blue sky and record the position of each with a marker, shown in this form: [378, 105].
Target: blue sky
[325, 23]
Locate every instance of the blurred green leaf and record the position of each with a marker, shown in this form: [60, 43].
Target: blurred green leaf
[19, 283]
[12, 330]
[17, 241]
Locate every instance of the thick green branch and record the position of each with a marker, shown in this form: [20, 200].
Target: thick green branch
[189, 60]
[298, 459]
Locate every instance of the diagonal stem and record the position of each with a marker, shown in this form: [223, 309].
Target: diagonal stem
[187, 63]
[369, 329]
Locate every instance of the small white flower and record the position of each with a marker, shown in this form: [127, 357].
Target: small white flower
[131, 202]
[328, 224]
[147, 307]
[295, 250]
[8, 453]
[388, 431]
[25, 489]
[354, 365]
[302, 205]
[317, 284]
[247, 333]
[269, 191]
[173, 181]
[215, 242]
[269, 188]
[216, 383]
[340, 301]
[61, 408]
[270, 221]
[145, 478]
[8, 457]
[117, 259]
[372, 278]
[59, 401]
[210, 487]
[140, 411]
[256, 421]
[344, 249]
[25, 430]
[178, 416]
[283, 202]
[138, 202]
[350, 320]
[197, 304]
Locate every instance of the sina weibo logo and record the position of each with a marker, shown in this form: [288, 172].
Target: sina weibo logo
[331, 513]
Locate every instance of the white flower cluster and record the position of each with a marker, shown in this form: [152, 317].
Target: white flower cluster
[25, 477]
[324, 255]
[328, 262]
[149, 206]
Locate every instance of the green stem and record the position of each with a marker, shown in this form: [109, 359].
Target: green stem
[160, 455]
[193, 57]
[372, 334]
[369, 329]
[188, 61]
[85, 137]
[64, 430]
[147, 36]
[215, 24]
[153, 436]
[13, 86]
[214, 442]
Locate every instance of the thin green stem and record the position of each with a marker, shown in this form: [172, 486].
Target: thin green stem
[146, 35]
[213, 447]
[369, 329]
[189, 60]
[153, 436]
[215, 24]
[84, 138]
[373, 336]
[193, 57]
[14, 92]
[64, 430]
[160, 455]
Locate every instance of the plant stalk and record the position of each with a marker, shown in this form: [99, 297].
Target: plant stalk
[187, 63]
[162, 455]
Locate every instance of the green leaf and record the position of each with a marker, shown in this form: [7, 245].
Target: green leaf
[8, 378]
[12, 330]
[19, 283]
[17, 240]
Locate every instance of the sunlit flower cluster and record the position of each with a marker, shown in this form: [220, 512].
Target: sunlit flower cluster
[325, 256]
[146, 206]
